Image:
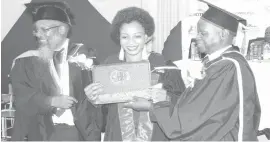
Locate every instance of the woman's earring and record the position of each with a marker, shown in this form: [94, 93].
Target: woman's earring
[121, 54]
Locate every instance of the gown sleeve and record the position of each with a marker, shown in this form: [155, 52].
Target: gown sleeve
[171, 79]
[174, 85]
[28, 96]
[207, 110]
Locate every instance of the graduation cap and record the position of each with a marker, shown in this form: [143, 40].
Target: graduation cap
[59, 11]
[222, 18]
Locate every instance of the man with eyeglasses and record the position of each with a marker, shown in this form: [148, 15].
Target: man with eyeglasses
[49, 99]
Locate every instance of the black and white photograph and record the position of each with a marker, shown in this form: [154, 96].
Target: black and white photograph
[135, 70]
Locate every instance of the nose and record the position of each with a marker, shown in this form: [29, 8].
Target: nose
[39, 34]
[198, 37]
[36, 33]
[131, 41]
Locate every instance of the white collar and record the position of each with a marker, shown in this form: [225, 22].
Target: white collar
[217, 53]
[65, 47]
[65, 44]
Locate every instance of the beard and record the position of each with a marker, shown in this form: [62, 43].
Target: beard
[45, 53]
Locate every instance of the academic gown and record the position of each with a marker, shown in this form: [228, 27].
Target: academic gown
[33, 85]
[121, 123]
[212, 109]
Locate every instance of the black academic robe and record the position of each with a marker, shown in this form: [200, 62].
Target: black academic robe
[212, 109]
[33, 85]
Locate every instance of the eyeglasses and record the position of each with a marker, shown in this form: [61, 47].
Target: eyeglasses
[43, 30]
[202, 33]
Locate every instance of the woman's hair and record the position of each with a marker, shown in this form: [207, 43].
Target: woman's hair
[129, 15]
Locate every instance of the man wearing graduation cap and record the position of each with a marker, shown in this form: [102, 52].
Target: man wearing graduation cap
[49, 98]
[224, 104]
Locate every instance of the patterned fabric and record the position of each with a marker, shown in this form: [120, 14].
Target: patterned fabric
[135, 126]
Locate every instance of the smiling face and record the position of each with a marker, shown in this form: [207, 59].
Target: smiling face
[50, 34]
[132, 39]
[208, 39]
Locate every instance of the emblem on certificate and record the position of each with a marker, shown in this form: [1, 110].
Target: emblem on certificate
[119, 76]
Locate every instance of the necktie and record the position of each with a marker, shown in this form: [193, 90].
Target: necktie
[58, 60]
[205, 60]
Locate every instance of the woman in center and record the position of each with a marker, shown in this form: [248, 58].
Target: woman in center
[132, 30]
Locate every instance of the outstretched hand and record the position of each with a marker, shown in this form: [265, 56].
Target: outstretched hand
[139, 104]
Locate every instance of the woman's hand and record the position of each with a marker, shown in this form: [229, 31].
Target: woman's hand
[93, 90]
[139, 104]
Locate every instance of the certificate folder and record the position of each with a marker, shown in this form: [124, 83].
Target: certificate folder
[123, 77]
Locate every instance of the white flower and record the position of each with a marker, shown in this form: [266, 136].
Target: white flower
[195, 71]
[81, 58]
[82, 61]
[89, 63]
[71, 59]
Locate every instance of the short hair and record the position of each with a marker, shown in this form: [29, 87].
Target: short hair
[267, 29]
[129, 15]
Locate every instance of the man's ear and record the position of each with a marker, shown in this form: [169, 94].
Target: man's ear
[224, 34]
[62, 30]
